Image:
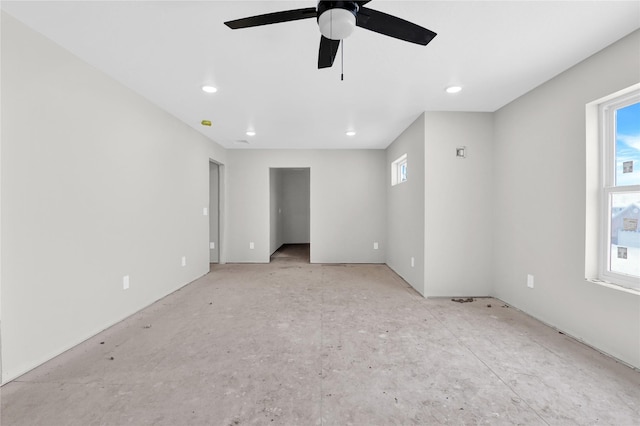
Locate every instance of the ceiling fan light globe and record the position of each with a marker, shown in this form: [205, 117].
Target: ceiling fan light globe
[337, 24]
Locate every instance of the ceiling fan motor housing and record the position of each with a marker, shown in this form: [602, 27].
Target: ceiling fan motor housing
[337, 19]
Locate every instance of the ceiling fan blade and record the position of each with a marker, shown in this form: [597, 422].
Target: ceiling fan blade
[392, 26]
[273, 18]
[327, 52]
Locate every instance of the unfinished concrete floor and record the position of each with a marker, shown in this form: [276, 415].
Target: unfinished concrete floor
[295, 343]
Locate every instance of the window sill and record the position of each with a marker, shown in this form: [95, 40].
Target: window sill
[613, 286]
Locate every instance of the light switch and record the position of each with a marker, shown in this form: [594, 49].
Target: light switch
[125, 282]
[251, 245]
[205, 211]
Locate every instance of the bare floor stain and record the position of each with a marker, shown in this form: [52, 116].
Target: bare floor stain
[294, 343]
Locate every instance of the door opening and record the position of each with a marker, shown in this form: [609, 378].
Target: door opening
[214, 213]
[290, 213]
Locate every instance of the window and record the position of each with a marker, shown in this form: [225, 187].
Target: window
[399, 170]
[620, 190]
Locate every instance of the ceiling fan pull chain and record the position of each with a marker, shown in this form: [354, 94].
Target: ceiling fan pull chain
[342, 61]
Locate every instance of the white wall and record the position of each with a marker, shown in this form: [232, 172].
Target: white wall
[441, 216]
[458, 204]
[97, 183]
[539, 197]
[296, 207]
[405, 206]
[347, 203]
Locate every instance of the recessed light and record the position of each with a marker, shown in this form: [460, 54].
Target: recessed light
[351, 133]
[453, 89]
[251, 133]
[209, 89]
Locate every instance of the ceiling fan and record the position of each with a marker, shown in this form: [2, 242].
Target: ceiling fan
[337, 20]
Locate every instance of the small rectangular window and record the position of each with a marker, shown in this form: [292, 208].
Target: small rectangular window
[399, 170]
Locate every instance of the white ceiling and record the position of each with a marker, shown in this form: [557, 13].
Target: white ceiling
[267, 77]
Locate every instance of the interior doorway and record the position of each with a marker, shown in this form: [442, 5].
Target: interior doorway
[292, 253]
[290, 211]
[214, 212]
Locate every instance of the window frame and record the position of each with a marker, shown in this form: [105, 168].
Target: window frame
[396, 170]
[608, 188]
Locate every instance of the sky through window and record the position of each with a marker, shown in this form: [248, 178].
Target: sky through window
[628, 145]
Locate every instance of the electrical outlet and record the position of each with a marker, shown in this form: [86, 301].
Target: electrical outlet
[125, 282]
[184, 260]
[530, 281]
[252, 246]
[375, 245]
[205, 211]
[212, 245]
[413, 262]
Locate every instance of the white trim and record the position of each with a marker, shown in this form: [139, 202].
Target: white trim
[395, 170]
[606, 186]
[613, 286]
[606, 274]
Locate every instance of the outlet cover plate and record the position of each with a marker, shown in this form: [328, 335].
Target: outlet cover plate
[530, 281]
